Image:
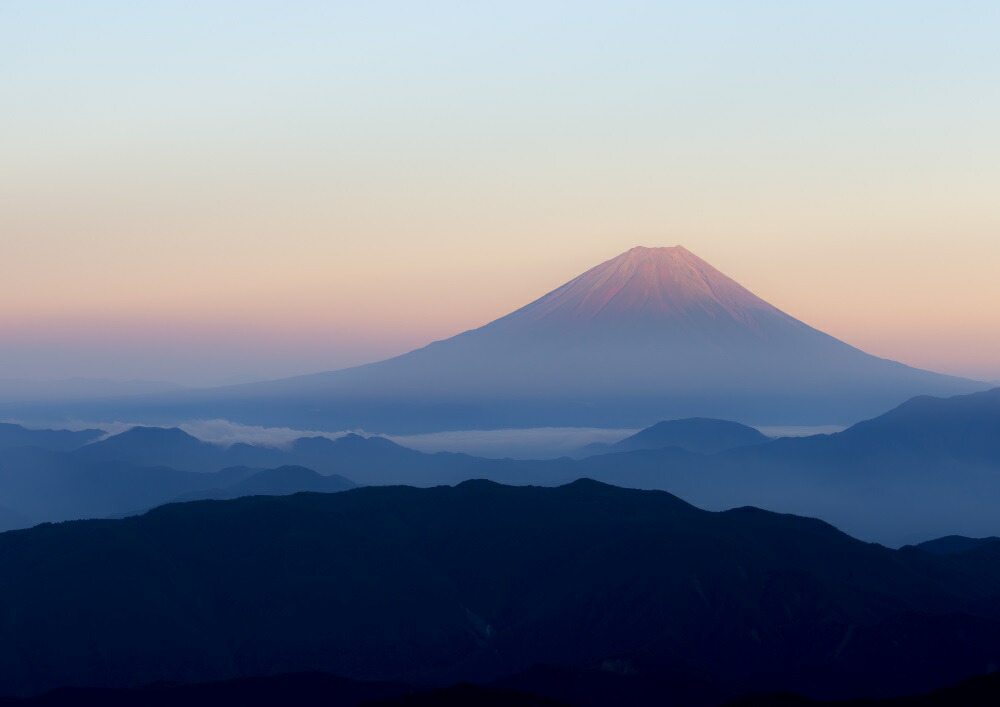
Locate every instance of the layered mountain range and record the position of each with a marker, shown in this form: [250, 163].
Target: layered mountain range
[927, 468]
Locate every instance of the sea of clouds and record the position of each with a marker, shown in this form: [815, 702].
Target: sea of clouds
[532, 443]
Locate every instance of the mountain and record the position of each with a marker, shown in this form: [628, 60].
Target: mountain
[275, 482]
[954, 544]
[162, 446]
[123, 475]
[172, 447]
[298, 689]
[695, 434]
[926, 469]
[653, 334]
[481, 581]
[584, 688]
[964, 425]
[978, 691]
[12, 436]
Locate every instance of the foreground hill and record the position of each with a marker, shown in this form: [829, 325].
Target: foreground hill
[481, 581]
[979, 691]
[655, 333]
[954, 544]
[296, 689]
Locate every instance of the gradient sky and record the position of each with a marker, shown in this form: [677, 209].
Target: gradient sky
[220, 191]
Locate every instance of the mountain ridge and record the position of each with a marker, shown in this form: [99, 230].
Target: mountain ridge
[481, 580]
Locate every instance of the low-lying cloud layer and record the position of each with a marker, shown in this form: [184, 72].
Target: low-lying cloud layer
[221, 432]
[532, 443]
[227, 433]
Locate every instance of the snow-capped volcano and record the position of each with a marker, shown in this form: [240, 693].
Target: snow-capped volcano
[653, 293]
[647, 283]
[652, 334]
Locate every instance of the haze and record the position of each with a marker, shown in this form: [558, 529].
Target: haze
[209, 193]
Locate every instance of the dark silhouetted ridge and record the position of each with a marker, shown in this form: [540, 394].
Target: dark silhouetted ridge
[482, 582]
[955, 544]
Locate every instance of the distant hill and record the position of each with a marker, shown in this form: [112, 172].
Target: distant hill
[962, 426]
[158, 446]
[482, 581]
[274, 482]
[152, 446]
[926, 469]
[652, 334]
[954, 544]
[12, 436]
[37, 485]
[695, 434]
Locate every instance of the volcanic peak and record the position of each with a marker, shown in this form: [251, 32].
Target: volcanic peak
[651, 283]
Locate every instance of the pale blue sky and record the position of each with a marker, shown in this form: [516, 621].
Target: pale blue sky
[348, 180]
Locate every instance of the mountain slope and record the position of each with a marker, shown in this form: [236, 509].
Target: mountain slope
[480, 581]
[655, 333]
[112, 478]
[12, 436]
[282, 481]
[695, 434]
[157, 446]
[954, 544]
[298, 689]
[928, 468]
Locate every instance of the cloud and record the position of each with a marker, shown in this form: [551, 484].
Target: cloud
[800, 430]
[226, 433]
[533, 443]
[218, 431]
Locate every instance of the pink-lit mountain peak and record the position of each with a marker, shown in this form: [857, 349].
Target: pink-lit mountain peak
[652, 334]
[650, 283]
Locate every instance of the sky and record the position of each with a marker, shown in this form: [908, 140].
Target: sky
[216, 192]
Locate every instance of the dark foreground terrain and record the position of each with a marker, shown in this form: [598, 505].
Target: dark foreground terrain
[322, 690]
[571, 592]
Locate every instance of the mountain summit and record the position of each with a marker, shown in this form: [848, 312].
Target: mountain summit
[648, 284]
[659, 294]
[652, 334]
